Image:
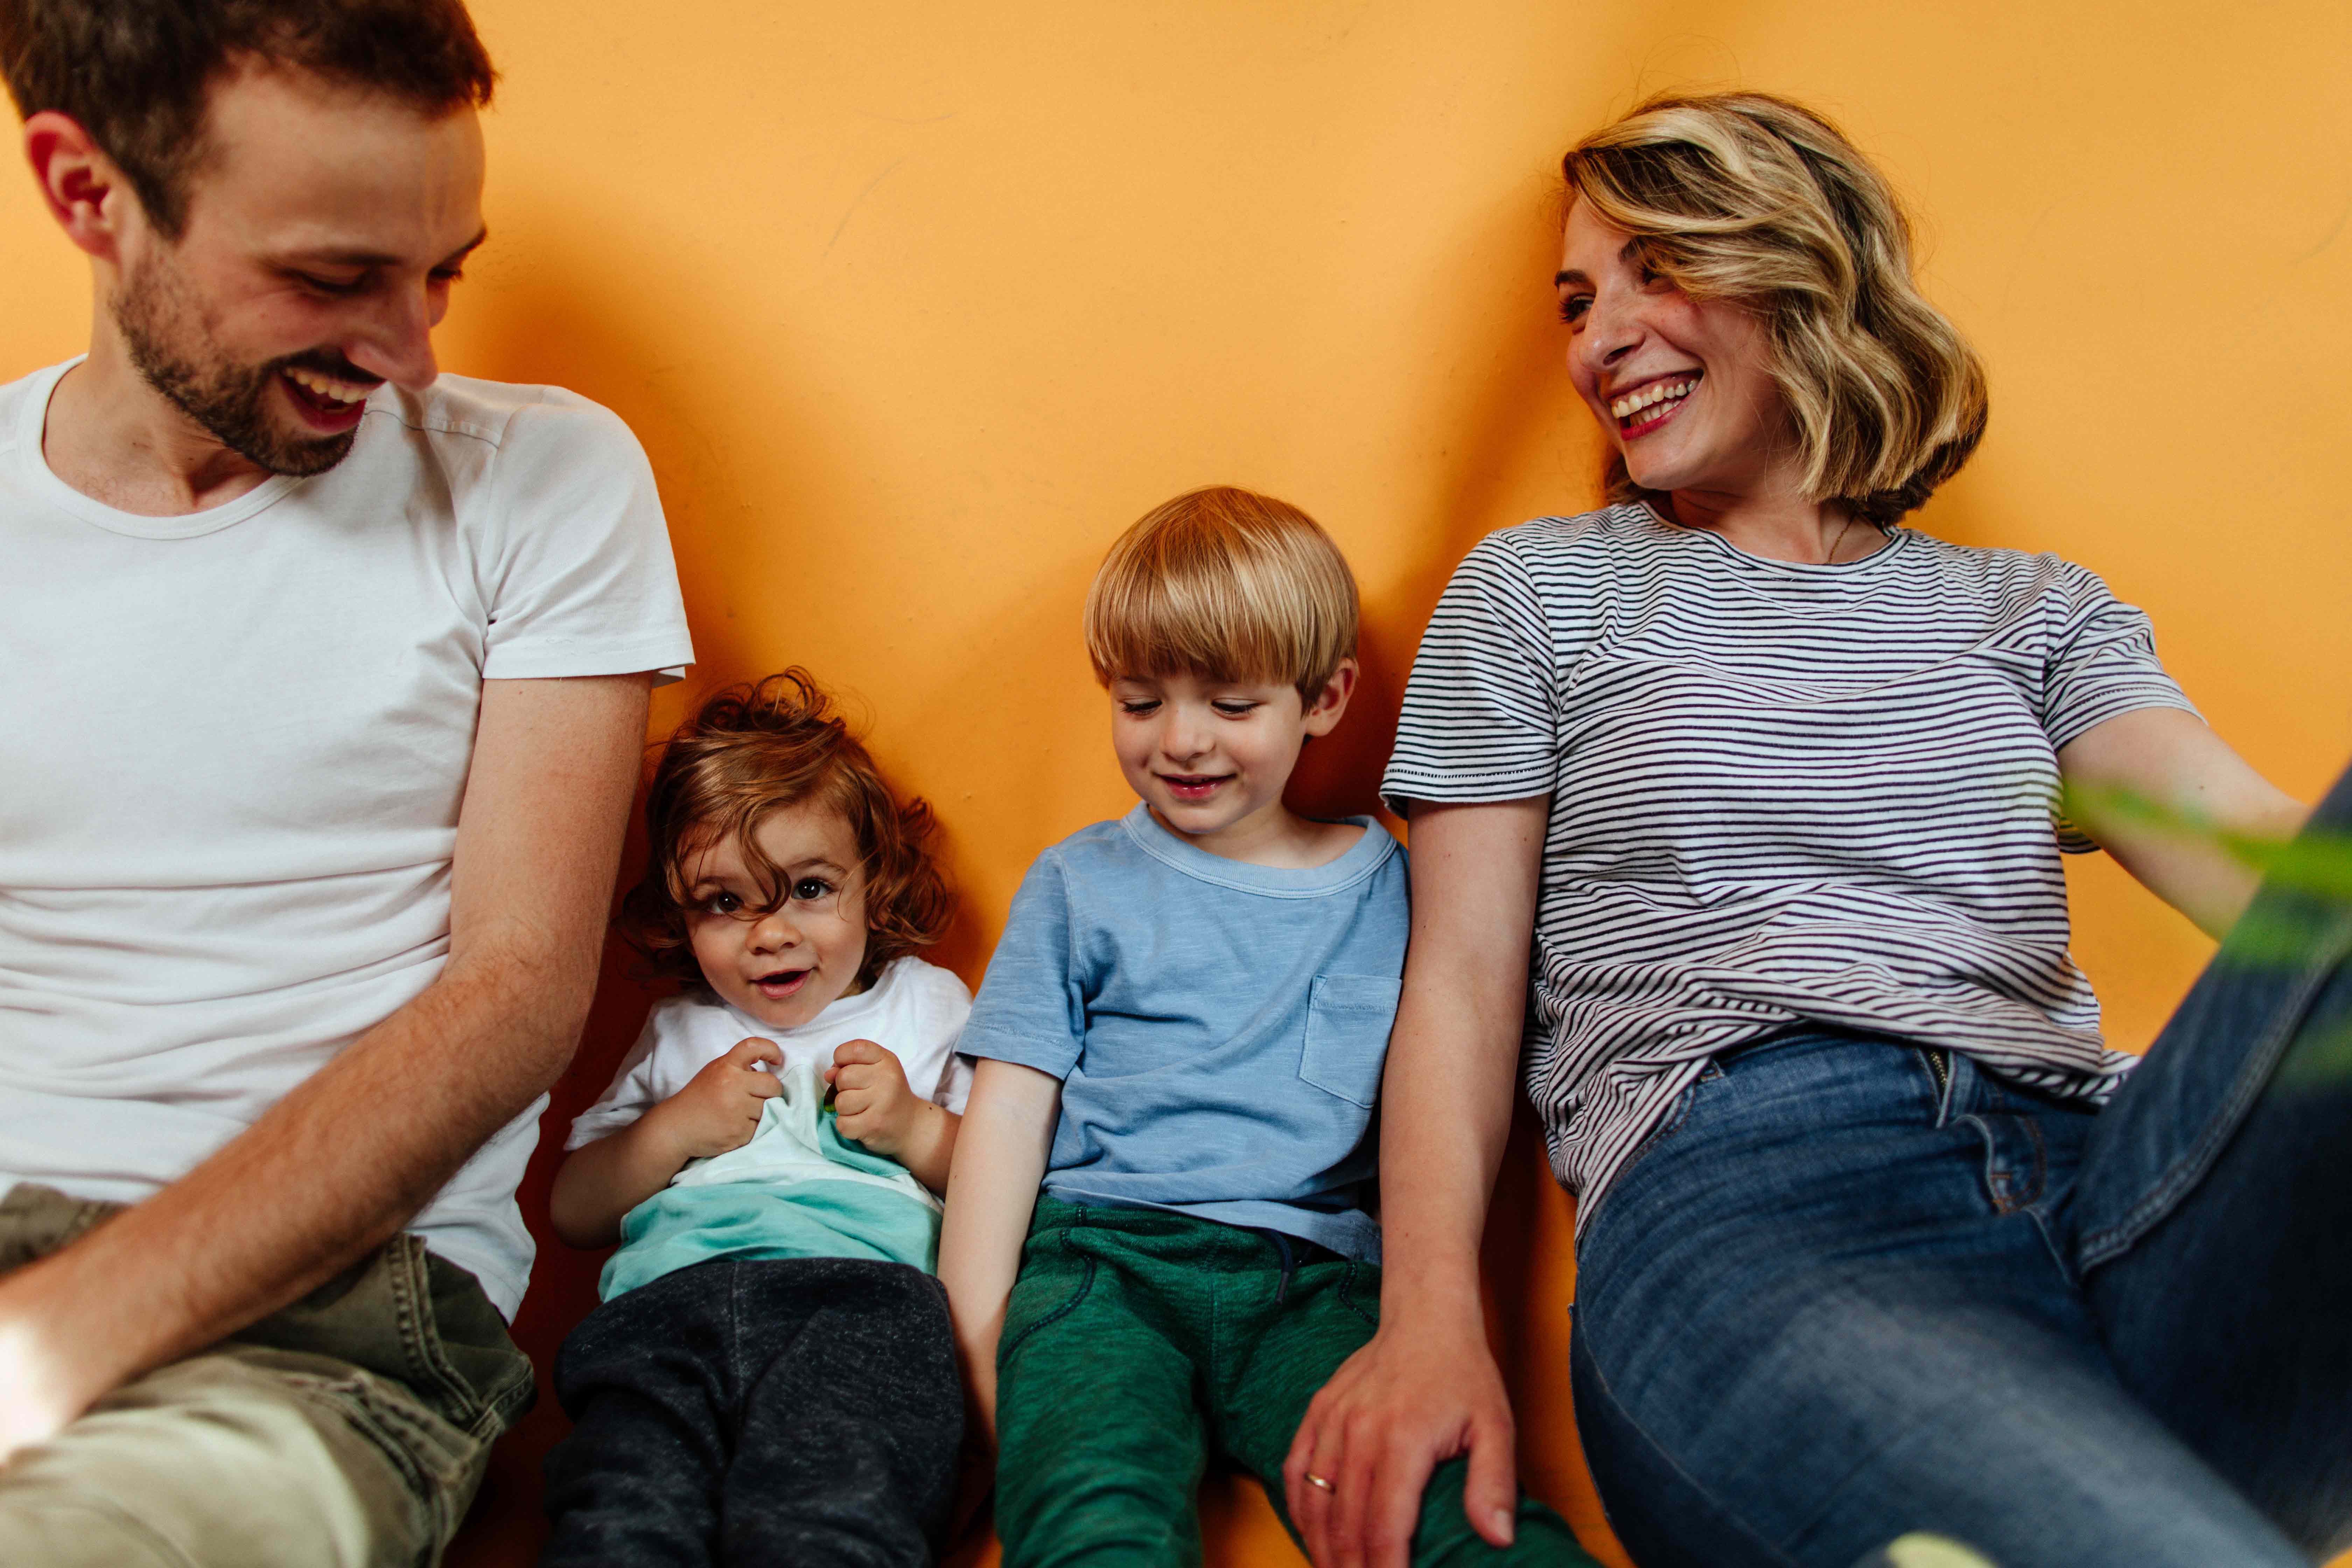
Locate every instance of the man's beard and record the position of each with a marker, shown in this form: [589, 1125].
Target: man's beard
[160, 323]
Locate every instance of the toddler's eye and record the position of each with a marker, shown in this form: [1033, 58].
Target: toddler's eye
[1235, 710]
[1140, 709]
[809, 889]
[721, 904]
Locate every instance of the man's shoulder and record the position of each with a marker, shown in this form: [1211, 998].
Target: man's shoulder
[502, 415]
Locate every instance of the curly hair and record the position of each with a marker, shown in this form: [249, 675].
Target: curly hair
[1751, 198]
[753, 750]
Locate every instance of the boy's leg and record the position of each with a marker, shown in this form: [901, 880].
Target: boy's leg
[647, 1380]
[1099, 1436]
[1281, 1342]
[851, 1419]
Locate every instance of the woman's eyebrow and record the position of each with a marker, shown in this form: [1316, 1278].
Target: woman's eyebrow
[1630, 252]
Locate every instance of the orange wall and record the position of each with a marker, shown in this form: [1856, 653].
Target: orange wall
[917, 305]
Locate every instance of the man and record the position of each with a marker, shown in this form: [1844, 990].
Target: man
[326, 684]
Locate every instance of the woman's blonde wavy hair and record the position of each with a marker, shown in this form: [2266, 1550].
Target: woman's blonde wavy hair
[1751, 198]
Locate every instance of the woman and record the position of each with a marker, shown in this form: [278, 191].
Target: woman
[1774, 785]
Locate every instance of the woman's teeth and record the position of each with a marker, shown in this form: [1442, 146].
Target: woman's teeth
[1658, 392]
[328, 388]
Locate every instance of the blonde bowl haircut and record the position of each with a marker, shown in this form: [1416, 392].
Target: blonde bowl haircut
[1226, 585]
[1751, 198]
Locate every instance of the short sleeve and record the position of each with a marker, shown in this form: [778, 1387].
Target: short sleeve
[582, 581]
[630, 1095]
[943, 1006]
[2101, 662]
[1031, 1009]
[1480, 720]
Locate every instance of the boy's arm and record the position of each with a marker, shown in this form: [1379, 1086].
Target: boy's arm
[718, 1110]
[1007, 1134]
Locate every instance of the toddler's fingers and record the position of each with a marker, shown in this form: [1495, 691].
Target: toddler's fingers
[850, 1051]
[763, 1086]
[756, 1050]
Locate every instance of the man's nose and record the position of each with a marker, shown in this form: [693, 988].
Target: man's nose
[397, 343]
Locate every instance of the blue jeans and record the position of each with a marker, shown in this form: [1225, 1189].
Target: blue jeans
[1852, 1288]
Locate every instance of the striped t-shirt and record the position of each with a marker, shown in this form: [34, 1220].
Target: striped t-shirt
[1780, 793]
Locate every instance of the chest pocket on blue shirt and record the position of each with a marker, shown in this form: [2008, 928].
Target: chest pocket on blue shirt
[1347, 1022]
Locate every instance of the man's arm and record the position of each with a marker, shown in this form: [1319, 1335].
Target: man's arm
[1000, 1159]
[342, 1163]
[2164, 759]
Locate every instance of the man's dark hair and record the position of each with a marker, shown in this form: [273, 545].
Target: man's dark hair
[134, 73]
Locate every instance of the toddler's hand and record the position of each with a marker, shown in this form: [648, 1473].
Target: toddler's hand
[872, 1100]
[720, 1106]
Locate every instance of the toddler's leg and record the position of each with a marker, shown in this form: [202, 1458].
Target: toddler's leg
[1100, 1441]
[852, 1416]
[647, 1380]
[1277, 1351]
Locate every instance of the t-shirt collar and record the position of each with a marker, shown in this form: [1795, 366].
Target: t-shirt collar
[33, 471]
[1362, 858]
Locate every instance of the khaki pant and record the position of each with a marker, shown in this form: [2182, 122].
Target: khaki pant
[349, 1430]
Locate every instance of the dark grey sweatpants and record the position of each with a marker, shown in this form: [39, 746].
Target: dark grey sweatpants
[759, 1411]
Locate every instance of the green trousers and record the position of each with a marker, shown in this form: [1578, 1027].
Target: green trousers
[1137, 1342]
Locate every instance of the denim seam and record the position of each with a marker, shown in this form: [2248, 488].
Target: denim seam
[421, 1336]
[354, 1402]
[1601, 1378]
[2105, 1246]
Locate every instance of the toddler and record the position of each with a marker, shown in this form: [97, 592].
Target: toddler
[770, 1377]
[1182, 1033]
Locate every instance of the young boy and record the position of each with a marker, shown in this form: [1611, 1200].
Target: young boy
[1182, 1034]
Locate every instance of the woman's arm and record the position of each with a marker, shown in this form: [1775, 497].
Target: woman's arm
[1000, 1159]
[2169, 760]
[1427, 1388]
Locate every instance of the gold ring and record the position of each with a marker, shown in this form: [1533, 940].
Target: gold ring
[1314, 1480]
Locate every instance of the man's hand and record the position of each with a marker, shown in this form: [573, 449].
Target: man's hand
[874, 1104]
[1391, 1415]
[720, 1107]
[45, 1378]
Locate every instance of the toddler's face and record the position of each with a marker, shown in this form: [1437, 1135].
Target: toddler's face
[1211, 757]
[786, 964]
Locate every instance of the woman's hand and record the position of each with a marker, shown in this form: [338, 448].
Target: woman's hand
[1394, 1411]
[874, 1104]
[720, 1107]
[1427, 1389]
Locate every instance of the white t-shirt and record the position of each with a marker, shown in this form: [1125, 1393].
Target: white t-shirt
[915, 1010]
[233, 745]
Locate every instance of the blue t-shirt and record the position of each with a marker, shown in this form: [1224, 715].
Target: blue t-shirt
[1218, 1028]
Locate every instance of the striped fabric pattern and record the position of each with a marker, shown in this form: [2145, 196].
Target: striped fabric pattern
[1780, 793]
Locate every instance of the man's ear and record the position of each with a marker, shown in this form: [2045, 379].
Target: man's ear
[1323, 715]
[88, 194]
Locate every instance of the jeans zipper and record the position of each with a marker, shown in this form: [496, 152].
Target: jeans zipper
[1939, 1064]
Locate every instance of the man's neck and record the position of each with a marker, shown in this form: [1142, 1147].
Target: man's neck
[116, 439]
